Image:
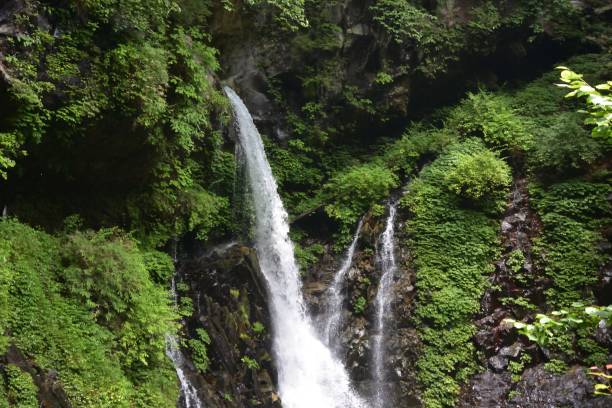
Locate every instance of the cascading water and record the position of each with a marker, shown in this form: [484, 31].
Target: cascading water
[333, 317]
[188, 397]
[308, 374]
[386, 260]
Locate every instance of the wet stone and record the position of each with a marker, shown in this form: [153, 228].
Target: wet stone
[498, 363]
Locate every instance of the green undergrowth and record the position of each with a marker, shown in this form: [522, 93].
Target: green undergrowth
[573, 215]
[569, 189]
[453, 241]
[84, 304]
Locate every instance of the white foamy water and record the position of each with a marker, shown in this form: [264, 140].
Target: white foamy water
[384, 296]
[332, 322]
[308, 374]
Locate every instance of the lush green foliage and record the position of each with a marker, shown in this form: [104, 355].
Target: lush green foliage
[85, 306]
[491, 118]
[546, 327]
[359, 305]
[565, 148]
[415, 145]
[572, 215]
[479, 176]
[122, 78]
[453, 246]
[199, 349]
[19, 390]
[598, 101]
[355, 191]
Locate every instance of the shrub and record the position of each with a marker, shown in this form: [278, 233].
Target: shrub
[404, 21]
[84, 305]
[572, 214]
[563, 148]
[490, 118]
[416, 144]
[351, 193]
[21, 391]
[478, 176]
[598, 102]
[106, 271]
[360, 305]
[250, 363]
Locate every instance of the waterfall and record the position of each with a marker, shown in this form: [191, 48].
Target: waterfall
[333, 317]
[308, 374]
[188, 397]
[386, 260]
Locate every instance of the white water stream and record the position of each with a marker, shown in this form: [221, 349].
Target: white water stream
[386, 260]
[309, 376]
[332, 322]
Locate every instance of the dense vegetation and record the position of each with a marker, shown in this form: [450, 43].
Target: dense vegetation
[114, 143]
[84, 304]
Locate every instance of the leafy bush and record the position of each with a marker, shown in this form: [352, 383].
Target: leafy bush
[598, 101]
[403, 20]
[360, 305]
[490, 118]
[250, 363]
[84, 305]
[106, 271]
[563, 148]
[416, 144]
[572, 214]
[20, 389]
[478, 176]
[351, 193]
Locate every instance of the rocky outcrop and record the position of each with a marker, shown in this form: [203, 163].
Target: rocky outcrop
[541, 389]
[264, 63]
[402, 344]
[51, 393]
[516, 284]
[229, 302]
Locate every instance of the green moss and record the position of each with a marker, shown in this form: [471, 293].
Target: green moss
[572, 214]
[453, 247]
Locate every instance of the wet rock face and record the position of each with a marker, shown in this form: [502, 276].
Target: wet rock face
[253, 55]
[514, 277]
[401, 344]
[229, 297]
[541, 389]
[488, 389]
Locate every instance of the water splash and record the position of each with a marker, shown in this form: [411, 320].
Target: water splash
[332, 321]
[386, 260]
[188, 397]
[308, 374]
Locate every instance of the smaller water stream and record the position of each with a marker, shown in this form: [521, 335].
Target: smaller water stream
[384, 296]
[332, 322]
[188, 397]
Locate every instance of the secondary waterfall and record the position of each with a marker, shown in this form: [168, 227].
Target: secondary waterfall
[333, 316]
[188, 397]
[386, 260]
[308, 374]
